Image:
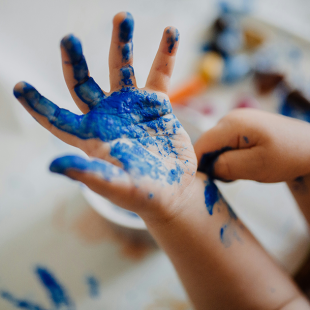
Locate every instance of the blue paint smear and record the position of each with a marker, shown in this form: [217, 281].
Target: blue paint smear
[20, 303]
[73, 47]
[212, 195]
[246, 139]
[172, 38]
[151, 195]
[106, 170]
[127, 51]
[126, 28]
[208, 160]
[93, 286]
[55, 290]
[128, 113]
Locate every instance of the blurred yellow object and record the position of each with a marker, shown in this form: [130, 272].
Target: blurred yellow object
[211, 69]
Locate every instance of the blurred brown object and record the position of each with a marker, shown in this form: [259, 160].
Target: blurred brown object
[253, 39]
[297, 100]
[267, 82]
[302, 277]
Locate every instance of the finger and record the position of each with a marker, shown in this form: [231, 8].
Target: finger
[240, 164]
[161, 71]
[121, 57]
[101, 176]
[84, 90]
[221, 139]
[60, 122]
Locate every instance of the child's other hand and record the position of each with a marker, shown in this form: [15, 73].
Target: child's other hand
[255, 145]
[144, 157]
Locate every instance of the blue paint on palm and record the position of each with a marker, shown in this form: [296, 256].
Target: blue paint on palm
[128, 113]
[212, 195]
[55, 290]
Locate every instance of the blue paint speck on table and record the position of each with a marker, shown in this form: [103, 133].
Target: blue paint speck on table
[93, 286]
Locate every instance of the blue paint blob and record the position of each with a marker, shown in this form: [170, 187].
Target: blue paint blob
[212, 195]
[151, 195]
[20, 303]
[172, 38]
[55, 290]
[246, 140]
[225, 236]
[74, 50]
[106, 170]
[126, 28]
[208, 160]
[93, 286]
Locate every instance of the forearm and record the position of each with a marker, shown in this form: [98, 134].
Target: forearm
[219, 262]
[300, 189]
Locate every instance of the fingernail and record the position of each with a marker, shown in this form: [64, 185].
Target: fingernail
[173, 37]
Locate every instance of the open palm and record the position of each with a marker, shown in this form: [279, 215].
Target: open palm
[142, 151]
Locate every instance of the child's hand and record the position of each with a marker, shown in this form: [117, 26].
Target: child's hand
[143, 153]
[255, 145]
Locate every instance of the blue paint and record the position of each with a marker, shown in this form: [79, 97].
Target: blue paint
[56, 293]
[172, 38]
[208, 160]
[126, 28]
[212, 195]
[20, 303]
[127, 73]
[73, 47]
[55, 290]
[246, 140]
[128, 113]
[89, 92]
[127, 52]
[106, 170]
[93, 286]
[151, 195]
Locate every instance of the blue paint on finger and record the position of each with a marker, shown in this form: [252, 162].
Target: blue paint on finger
[55, 290]
[172, 38]
[126, 28]
[106, 170]
[127, 52]
[73, 47]
[246, 140]
[89, 92]
[127, 73]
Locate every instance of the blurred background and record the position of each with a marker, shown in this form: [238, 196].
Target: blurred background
[56, 236]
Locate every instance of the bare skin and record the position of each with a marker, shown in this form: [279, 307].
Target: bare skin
[219, 262]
